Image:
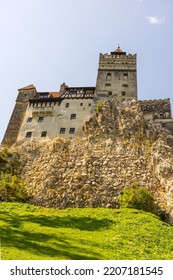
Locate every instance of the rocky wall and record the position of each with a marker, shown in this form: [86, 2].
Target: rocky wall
[120, 148]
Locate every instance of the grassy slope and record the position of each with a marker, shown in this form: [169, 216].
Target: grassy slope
[29, 232]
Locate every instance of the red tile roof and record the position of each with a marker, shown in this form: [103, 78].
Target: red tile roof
[28, 87]
[55, 94]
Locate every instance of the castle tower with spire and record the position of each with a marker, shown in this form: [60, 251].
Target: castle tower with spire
[116, 77]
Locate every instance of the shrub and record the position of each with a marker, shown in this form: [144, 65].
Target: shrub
[12, 188]
[139, 198]
[99, 106]
[9, 161]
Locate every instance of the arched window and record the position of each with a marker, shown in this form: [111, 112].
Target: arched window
[108, 77]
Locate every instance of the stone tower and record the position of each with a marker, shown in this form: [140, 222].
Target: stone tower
[116, 77]
[18, 114]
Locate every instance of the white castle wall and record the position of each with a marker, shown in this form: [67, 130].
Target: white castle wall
[55, 117]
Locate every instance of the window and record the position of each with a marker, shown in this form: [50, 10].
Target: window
[72, 130]
[62, 130]
[29, 119]
[29, 134]
[109, 93]
[163, 125]
[44, 134]
[123, 93]
[67, 105]
[40, 119]
[125, 77]
[81, 104]
[73, 117]
[161, 116]
[108, 85]
[108, 77]
[89, 104]
[125, 85]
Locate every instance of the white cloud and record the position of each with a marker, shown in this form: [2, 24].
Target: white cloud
[155, 20]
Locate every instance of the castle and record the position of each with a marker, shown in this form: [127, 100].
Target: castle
[41, 116]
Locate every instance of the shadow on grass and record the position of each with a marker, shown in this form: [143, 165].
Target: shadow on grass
[35, 244]
[81, 223]
[51, 245]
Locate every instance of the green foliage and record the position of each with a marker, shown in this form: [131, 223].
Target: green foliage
[11, 188]
[137, 197]
[3, 157]
[99, 106]
[31, 232]
[9, 161]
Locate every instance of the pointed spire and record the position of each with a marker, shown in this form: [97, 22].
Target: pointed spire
[118, 50]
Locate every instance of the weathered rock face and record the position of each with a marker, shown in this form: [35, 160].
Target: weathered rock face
[120, 148]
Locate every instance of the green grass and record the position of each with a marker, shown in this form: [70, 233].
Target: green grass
[30, 232]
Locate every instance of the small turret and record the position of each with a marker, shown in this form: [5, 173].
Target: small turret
[63, 87]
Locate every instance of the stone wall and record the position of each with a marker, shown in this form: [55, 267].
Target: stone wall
[120, 148]
[17, 116]
[16, 119]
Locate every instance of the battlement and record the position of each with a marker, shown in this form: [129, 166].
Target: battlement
[160, 108]
[117, 60]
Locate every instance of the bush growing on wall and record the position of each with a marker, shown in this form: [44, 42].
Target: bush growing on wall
[12, 188]
[139, 198]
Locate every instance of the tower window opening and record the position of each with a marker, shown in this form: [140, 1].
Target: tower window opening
[108, 77]
[29, 119]
[123, 93]
[109, 93]
[125, 77]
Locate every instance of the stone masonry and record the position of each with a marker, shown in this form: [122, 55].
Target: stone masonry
[120, 148]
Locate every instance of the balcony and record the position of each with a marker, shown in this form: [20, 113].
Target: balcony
[42, 111]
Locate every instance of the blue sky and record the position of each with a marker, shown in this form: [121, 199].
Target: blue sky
[47, 42]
